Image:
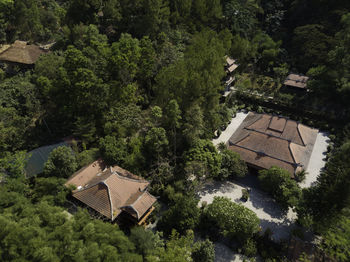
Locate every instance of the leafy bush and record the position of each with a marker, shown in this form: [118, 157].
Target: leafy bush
[231, 164]
[203, 251]
[245, 194]
[61, 162]
[182, 216]
[233, 220]
[300, 175]
[87, 156]
[249, 248]
[281, 186]
[204, 151]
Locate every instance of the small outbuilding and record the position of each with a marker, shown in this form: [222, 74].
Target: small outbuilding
[231, 65]
[296, 81]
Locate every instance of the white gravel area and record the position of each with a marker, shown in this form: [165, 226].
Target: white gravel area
[317, 160]
[225, 254]
[270, 214]
[230, 129]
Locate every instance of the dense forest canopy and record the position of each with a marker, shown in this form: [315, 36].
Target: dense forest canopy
[139, 83]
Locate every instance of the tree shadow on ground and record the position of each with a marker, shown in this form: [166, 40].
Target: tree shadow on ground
[281, 230]
[216, 187]
[263, 201]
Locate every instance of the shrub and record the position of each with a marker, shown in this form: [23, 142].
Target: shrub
[245, 194]
[203, 251]
[205, 152]
[61, 162]
[231, 219]
[182, 216]
[281, 186]
[231, 164]
[300, 175]
[249, 248]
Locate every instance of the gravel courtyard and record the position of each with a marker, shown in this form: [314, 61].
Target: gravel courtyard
[317, 160]
[230, 129]
[270, 215]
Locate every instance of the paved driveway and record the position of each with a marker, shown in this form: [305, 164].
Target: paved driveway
[270, 215]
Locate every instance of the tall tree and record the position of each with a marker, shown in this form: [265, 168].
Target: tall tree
[61, 163]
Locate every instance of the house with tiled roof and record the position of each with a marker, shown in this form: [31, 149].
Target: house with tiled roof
[264, 141]
[112, 190]
[21, 54]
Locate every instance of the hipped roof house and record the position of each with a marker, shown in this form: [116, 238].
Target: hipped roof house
[22, 53]
[112, 190]
[264, 141]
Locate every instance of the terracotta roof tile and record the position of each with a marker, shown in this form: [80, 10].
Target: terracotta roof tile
[291, 133]
[296, 80]
[264, 141]
[261, 161]
[307, 134]
[143, 203]
[268, 145]
[85, 174]
[109, 190]
[277, 123]
[96, 197]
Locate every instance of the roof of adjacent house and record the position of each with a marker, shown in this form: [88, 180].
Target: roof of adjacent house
[296, 80]
[37, 158]
[110, 190]
[265, 141]
[231, 64]
[22, 53]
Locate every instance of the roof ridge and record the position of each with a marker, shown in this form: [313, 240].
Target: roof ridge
[257, 152]
[138, 198]
[259, 117]
[109, 196]
[83, 168]
[291, 152]
[267, 134]
[129, 178]
[240, 140]
[299, 133]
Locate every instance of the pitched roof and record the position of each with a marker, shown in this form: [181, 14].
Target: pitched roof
[21, 52]
[111, 190]
[231, 64]
[265, 141]
[296, 80]
[37, 158]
